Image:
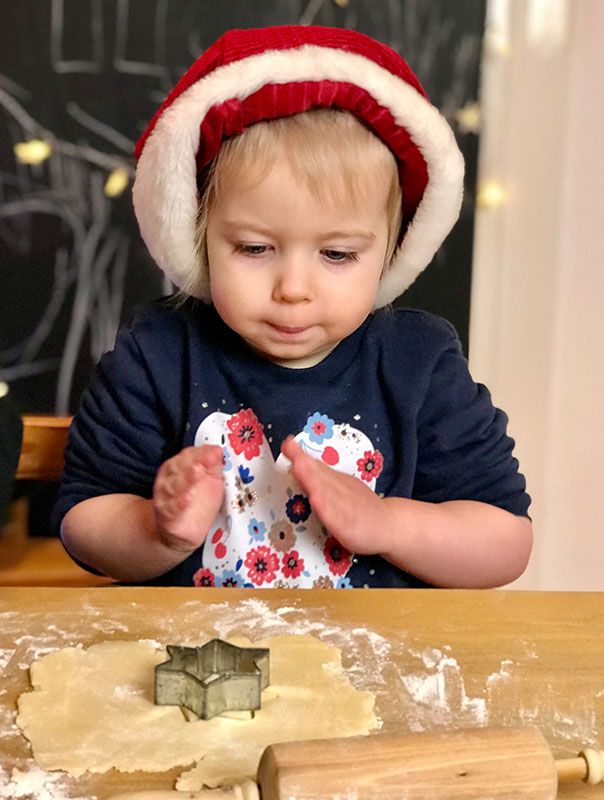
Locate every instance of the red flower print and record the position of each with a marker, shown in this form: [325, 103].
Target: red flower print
[203, 577]
[293, 565]
[262, 565]
[338, 558]
[246, 433]
[370, 466]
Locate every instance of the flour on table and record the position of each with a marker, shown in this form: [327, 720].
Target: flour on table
[93, 710]
[436, 696]
[439, 692]
[109, 626]
[35, 783]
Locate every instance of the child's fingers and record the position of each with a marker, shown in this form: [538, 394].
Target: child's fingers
[175, 505]
[290, 448]
[208, 455]
[303, 465]
[346, 507]
[316, 478]
[186, 466]
[174, 484]
[211, 456]
[187, 494]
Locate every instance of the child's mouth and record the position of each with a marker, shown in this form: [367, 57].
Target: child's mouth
[286, 330]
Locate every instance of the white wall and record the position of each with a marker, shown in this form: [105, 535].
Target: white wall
[537, 321]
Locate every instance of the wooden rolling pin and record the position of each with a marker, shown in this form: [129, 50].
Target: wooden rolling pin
[497, 763]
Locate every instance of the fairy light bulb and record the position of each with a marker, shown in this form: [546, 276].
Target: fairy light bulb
[116, 182]
[491, 194]
[469, 118]
[33, 152]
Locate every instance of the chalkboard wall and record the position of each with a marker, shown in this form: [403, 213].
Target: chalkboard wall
[83, 77]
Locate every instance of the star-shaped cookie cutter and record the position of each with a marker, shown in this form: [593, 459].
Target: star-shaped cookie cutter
[214, 678]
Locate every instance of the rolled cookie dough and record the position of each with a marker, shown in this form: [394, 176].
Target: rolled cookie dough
[93, 710]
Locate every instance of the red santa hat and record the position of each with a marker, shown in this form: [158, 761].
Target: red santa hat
[260, 74]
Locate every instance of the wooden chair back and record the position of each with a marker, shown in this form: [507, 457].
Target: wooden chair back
[39, 560]
[44, 439]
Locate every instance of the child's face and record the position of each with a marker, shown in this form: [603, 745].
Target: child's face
[290, 274]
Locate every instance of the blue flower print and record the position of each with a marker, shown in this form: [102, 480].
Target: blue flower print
[256, 530]
[319, 427]
[230, 579]
[244, 474]
[226, 460]
[343, 583]
[298, 508]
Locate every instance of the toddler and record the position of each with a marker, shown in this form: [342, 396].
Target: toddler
[273, 425]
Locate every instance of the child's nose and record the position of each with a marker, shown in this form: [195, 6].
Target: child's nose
[293, 282]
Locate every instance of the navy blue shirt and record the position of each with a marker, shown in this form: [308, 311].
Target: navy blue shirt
[393, 401]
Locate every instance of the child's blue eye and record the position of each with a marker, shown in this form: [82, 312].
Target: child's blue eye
[340, 255]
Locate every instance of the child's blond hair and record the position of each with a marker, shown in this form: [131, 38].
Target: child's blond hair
[331, 151]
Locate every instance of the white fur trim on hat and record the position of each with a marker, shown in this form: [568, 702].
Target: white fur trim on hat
[165, 187]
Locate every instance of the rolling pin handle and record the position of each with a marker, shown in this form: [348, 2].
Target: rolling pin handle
[588, 767]
[595, 765]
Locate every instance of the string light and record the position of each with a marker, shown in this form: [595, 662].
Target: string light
[491, 194]
[35, 151]
[498, 28]
[116, 182]
[498, 42]
[468, 118]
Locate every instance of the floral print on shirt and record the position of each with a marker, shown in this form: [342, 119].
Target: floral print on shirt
[266, 533]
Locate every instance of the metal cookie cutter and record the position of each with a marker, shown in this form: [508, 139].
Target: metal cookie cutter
[211, 679]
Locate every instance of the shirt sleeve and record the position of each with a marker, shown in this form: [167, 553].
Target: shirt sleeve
[464, 452]
[123, 430]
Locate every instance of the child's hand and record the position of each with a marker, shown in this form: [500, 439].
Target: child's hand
[349, 509]
[187, 495]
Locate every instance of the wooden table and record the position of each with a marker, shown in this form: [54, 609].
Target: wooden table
[434, 658]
